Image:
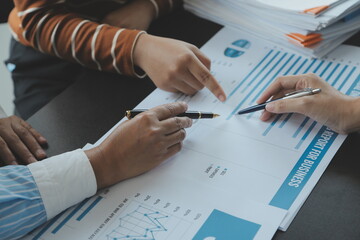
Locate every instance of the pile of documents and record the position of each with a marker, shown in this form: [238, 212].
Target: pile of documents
[310, 27]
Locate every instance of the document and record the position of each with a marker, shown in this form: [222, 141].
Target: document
[162, 206]
[278, 162]
[236, 174]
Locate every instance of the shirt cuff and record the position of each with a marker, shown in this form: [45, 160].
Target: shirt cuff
[64, 180]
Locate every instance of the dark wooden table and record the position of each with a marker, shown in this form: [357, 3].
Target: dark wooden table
[92, 105]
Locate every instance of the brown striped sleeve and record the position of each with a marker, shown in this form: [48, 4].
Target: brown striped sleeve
[47, 26]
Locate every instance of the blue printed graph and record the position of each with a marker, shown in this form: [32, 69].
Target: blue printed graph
[277, 63]
[141, 224]
[221, 225]
[237, 48]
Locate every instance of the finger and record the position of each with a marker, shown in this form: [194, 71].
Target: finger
[203, 75]
[6, 156]
[174, 124]
[21, 151]
[169, 110]
[280, 84]
[30, 141]
[40, 138]
[173, 150]
[192, 81]
[175, 137]
[204, 59]
[297, 105]
[266, 115]
[184, 87]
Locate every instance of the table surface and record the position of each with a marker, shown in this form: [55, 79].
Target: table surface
[92, 105]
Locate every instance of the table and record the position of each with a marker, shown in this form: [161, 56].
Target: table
[91, 106]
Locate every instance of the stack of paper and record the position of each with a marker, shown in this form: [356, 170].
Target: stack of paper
[312, 28]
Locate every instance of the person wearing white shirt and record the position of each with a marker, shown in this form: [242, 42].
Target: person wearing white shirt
[30, 195]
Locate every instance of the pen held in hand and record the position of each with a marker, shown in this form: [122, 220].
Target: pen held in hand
[296, 94]
[190, 114]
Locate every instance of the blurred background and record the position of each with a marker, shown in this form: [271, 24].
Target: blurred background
[6, 86]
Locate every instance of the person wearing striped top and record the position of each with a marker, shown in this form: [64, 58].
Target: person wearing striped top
[30, 195]
[106, 35]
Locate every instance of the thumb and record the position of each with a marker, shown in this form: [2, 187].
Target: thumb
[286, 106]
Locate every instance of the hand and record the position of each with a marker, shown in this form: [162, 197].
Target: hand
[139, 144]
[329, 107]
[136, 14]
[19, 142]
[175, 66]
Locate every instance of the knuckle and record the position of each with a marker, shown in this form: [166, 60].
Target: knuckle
[184, 58]
[2, 143]
[177, 122]
[171, 108]
[204, 77]
[146, 118]
[153, 132]
[22, 131]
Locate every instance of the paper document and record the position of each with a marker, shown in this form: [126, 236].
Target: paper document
[265, 158]
[233, 171]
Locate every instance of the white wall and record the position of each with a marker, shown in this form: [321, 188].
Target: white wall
[6, 85]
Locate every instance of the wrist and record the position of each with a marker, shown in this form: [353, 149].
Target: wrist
[140, 52]
[351, 118]
[96, 159]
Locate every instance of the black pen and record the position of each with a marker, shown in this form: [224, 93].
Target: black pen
[190, 114]
[296, 94]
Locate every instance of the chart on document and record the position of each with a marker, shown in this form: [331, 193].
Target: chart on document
[278, 162]
[234, 170]
[134, 210]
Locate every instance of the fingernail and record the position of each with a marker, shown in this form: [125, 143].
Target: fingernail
[270, 107]
[40, 153]
[222, 98]
[42, 139]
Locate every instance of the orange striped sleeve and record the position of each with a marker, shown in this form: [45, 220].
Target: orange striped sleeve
[46, 25]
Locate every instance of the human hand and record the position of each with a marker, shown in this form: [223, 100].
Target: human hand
[330, 107]
[139, 144]
[175, 66]
[19, 142]
[136, 14]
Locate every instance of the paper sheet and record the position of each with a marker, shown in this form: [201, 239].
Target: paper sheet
[234, 170]
[262, 158]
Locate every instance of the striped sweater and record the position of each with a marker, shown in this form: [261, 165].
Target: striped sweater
[54, 27]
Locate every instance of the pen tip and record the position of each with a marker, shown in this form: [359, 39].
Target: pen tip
[216, 115]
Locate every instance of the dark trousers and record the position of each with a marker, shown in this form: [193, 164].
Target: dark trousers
[37, 77]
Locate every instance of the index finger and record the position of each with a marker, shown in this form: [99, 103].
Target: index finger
[169, 110]
[203, 75]
[280, 84]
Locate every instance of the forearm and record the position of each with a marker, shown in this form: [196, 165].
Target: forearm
[21, 206]
[50, 28]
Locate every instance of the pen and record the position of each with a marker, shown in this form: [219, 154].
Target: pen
[296, 94]
[190, 114]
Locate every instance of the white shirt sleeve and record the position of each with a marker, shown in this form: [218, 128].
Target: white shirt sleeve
[2, 113]
[64, 180]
